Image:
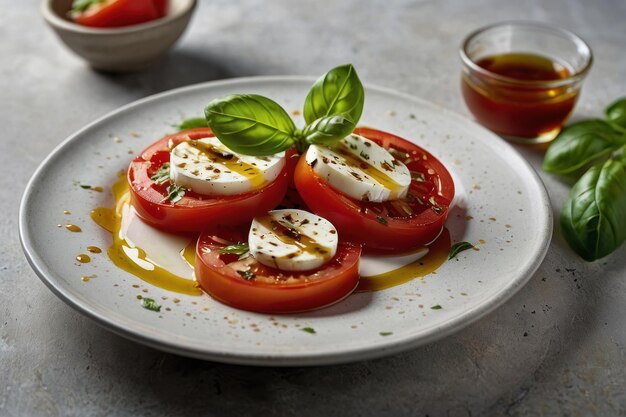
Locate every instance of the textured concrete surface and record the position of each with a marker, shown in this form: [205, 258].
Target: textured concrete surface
[556, 348]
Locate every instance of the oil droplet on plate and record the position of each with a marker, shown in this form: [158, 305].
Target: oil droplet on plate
[73, 228]
[86, 278]
[67, 212]
[94, 249]
[83, 258]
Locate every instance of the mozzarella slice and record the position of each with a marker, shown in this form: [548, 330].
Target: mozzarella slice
[207, 167]
[361, 169]
[292, 240]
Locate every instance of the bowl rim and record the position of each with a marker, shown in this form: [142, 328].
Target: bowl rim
[58, 22]
[539, 26]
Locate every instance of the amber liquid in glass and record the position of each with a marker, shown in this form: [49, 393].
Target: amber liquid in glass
[519, 110]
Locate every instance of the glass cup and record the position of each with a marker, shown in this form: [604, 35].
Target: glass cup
[522, 79]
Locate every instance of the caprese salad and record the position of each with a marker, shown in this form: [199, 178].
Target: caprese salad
[362, 190]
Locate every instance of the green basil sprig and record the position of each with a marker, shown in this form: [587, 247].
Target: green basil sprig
[593, 219]
[255, 125]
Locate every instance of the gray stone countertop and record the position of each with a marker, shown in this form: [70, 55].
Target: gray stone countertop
[556, 348]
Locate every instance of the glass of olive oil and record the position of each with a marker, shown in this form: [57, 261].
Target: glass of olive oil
[522, 79]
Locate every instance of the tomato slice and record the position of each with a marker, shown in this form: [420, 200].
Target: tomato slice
[248, 285]
[194, 211]
[116, 13]
[398, 225]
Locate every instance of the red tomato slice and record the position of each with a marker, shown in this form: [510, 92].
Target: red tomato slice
[398, 225]
[194, 211]
[116, 13]
[248, 285]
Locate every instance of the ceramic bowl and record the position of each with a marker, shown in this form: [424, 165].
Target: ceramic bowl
[123, 49]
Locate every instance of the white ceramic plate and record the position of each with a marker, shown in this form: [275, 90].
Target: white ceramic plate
[501, 192]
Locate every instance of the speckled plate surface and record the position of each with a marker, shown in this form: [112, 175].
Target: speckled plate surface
[503, 209]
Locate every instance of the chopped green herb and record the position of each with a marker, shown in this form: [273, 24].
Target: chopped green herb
[308, 330]
[436, 307]
[459, 247]
[385, 333]
[174, 193]
[247, 275]
[82, 5]
[364, 155]
[150, 304]
[240, 249]
[162, 175]
[192, 123]
[85, 186]
[381, 220]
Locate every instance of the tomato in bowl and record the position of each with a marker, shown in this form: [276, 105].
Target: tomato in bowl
[121, 48]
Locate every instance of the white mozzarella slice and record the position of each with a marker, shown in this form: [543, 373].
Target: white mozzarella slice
[361, 169]
[292, 240]
[207, 167]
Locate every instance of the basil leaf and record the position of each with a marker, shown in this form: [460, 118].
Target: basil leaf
[162, 175]
[616, 113]
[327, 130]
[581, 144]
[593, 218]
[82, 5]
[308, 330]
[250, 124]
[459, 247]
[339, 91]
[192, 123]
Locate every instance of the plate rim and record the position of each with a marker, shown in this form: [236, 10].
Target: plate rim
[468, 317]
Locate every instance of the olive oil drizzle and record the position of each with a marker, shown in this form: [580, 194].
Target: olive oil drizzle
[378, 175]
[189, 253]
[291, 235]
[124, 255]
[230, 161]
[436, 256]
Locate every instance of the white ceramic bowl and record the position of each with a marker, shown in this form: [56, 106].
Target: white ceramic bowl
[123, 49]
